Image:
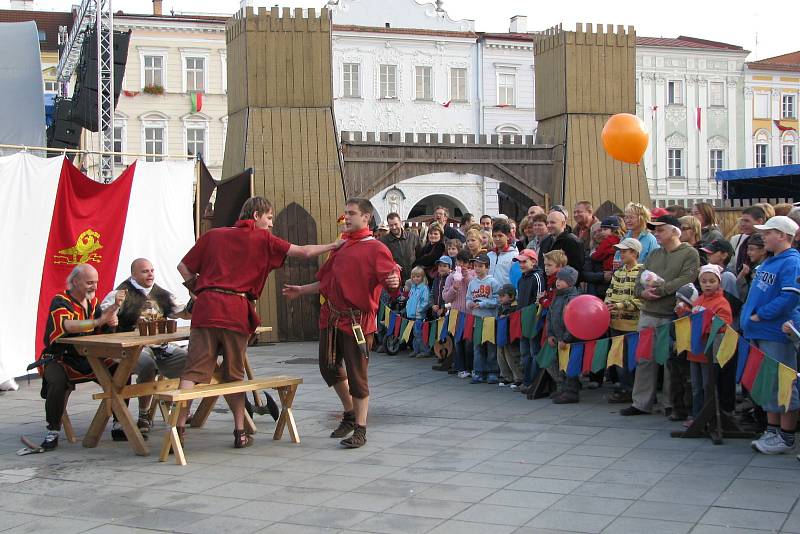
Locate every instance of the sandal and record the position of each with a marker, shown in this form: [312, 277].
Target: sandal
[241, 439]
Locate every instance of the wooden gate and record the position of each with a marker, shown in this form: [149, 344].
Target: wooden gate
[297, 319]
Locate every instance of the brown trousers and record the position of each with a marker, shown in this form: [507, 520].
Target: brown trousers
[351, 364]
[205, 344]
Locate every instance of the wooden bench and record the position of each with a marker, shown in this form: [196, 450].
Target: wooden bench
[285, 385]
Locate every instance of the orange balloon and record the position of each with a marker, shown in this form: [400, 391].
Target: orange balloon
[625, 138]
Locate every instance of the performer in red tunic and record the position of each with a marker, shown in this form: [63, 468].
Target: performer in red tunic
[226, 270]
[351, 282]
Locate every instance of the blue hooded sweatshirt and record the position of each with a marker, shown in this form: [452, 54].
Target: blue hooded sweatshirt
[770, 298]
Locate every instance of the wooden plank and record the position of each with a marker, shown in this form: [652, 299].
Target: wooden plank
[298, 59]
[287, 25]
[228, 388]
[327, 78]
[272, 57]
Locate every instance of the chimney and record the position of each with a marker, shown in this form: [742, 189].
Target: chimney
[157, 7]
[519, 24]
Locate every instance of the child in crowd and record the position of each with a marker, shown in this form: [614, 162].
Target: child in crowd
[756, 254]
[482, 302]
[711, 298]
[486, 240]
[623, 304]
[558, 335]
[443, 268]
[417, 308]
[474, 242]
[530, 286]
[553, 262]
[503, 253]
[720, 253]
[611, 234]
[452, 247]
[455, 293]
[508, 355]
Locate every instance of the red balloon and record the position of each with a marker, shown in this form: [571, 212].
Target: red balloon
[586, 317]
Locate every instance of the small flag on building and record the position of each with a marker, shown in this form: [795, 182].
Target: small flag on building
[197, 101]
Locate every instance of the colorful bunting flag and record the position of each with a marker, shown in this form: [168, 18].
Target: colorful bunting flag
[644, 349]
[528, 319]
[697, 333]
[469, 326]
[462, 318]
[742, 354]
[515, 326]
[452, 322]
[683, 335]
[616, 351]
[397, 324]
[727, 347]
[442, 329]
[717, 324]
[600, 354]
[408, 329]
[764, 386]
[502, 332]
[661, 349]
[487, 332]
[477, 331]
[432, 335]
[631, 342]
[786, 378]
[546, 356]
[575, 363]
[426, 332]
[381, 313]
[754, 359]
[392, 320]
[588, 356]
[563, 357]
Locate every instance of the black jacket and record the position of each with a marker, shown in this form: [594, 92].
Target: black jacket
[571, 245]
[529, 287]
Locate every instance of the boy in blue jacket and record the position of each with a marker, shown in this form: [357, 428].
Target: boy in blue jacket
[482, 302]
[769, 305]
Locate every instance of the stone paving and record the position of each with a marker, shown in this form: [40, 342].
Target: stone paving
[443, 456]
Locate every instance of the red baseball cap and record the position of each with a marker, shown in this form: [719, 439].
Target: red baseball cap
[527, 254]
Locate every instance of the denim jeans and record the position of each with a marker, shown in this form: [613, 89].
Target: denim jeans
[417, 345]
[624, 374]
[463, 355]
[529, 348]
[699, 380]
[485, 359]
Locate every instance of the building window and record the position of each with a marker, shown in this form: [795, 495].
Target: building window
[195, 74]
[119, 144]
[153, 71]
[42, 36]
[458, 85]
[675, 93]
[223, 56]
[762, 155]
[788, 155]
[50, 86]
[638, 90]
[388, 82]
[788, 107]
[196, 141]
[506, 89]
[153, 142]
[423, 83]
[675, 162]
[716, 163]
[716, 94]
[350, 80]
[761, 102]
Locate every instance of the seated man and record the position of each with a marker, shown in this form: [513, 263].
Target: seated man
[74, 312]
[140, 292]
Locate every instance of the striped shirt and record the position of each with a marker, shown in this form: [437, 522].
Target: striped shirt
[622, 293]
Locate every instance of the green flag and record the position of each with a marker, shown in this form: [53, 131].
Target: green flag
[546, 356]
[661, 349]
[765, 386]
[716, 326]
[600, 356]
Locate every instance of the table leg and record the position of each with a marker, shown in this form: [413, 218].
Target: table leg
[171, 438]
[286, 395]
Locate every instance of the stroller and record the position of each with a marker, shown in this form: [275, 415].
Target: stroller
[395, 344]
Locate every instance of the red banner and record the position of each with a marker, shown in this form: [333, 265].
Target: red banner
[87, 226]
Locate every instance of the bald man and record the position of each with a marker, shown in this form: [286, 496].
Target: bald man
[74, 312]
[560, 238]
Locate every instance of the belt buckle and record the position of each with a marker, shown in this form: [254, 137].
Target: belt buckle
[358, 334]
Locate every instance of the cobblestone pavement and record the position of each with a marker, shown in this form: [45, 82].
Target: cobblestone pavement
[443, 456]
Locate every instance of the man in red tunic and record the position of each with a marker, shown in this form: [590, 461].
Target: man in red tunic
[351, 282]
[226, 270]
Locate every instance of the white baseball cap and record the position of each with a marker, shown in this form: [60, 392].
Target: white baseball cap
[779, 222]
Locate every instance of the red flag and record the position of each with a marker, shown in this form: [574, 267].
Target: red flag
[397, 324]
[447, 104]
[588, 356]
[644, 349]
[469, 325]
[752, 366]
[781, 127]
[699, 114]
[87, 227]
[515, 326]
[426, 330]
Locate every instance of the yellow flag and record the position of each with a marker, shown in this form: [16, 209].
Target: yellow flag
[683, 335]
[727, 347]
[407, 332]
[452, 323]
[563, 357]
[386, 316]
[488, 330]
[786, 378]
[615, 352]
[439, 327]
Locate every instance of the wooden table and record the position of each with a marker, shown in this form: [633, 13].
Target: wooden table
[124, 348]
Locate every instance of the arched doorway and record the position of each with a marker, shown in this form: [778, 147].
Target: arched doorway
[426, 206]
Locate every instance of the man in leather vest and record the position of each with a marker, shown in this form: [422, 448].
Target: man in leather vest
[141, 292]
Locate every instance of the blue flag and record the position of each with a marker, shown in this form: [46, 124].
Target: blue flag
[631, 342]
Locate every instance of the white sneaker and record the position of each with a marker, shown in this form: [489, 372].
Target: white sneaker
[9, 385]
[774, 444]
[765, 436]
[513, 386]
[502, 384]
[464, 374]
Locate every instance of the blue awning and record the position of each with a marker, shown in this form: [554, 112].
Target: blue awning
[759, 172]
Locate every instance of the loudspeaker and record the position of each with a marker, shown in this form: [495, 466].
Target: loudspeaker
[63, 133]
[85, 94]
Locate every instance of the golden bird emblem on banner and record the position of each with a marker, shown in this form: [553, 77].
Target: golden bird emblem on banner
[83, 251]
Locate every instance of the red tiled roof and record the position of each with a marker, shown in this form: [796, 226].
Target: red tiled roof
[508, 36]
[784, 62]
[683, 41]
[401, 31]
[46, 21]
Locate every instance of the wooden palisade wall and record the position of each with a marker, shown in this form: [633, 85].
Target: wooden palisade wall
[582, 78]
[280, 123]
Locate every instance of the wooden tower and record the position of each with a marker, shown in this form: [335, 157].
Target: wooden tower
[280, 123]
[582, 78]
